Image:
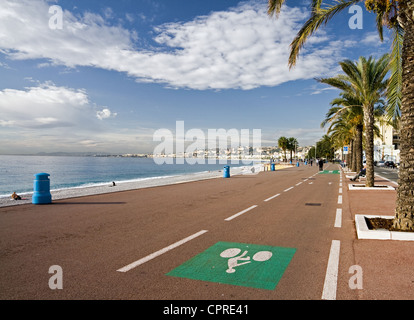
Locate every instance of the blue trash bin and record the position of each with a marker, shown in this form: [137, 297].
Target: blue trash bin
[272, 166]
[226, 172]
[297, 164]
[41, 187]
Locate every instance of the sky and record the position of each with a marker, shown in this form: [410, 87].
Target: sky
[105, 75]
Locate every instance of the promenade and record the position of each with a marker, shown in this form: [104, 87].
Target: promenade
[283, 235]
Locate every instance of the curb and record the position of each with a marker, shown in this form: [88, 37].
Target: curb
[363, 232]
[377, 187]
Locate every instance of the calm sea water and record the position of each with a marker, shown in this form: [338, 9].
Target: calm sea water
[17, 172]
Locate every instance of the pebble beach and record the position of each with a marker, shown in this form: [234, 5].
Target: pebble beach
[132, 185]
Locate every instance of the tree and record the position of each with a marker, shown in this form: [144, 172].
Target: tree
[346, 125]
[324, 149]
[398, 16]
[283, 143]
[364, 82]
[346, 116]
[292, 145]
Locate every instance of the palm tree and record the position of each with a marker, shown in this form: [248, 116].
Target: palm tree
[346, 112]
[292, 145]
[364, 81]
[346, 125]
[342, 134]
[283, 143]
[397, 15]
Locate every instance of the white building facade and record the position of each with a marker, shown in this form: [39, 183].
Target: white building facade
[386, 147]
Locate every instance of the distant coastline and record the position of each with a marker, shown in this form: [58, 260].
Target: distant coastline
[265, 153]
[77, 154]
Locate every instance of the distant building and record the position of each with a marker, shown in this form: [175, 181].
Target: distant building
[387, 146]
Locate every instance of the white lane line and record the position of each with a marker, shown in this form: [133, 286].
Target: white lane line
[298, 183]
[339, 199]
[240, 213]
[160, 252]
[340, 190]
[340, 184]
[338, 219]
[387, 179]
[331, 278]
[288, 189]
[276, 195]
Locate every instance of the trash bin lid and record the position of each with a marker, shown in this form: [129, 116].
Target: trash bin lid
[41, 175]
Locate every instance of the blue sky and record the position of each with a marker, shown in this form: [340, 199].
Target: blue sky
[117, 71]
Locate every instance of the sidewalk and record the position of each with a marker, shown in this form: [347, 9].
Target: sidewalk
[387, 265]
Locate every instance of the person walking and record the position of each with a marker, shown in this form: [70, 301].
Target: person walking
[320, 164]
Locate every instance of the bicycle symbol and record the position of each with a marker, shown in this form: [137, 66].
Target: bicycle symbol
[234, 259]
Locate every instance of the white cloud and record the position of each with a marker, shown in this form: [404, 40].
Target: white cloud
[49, 118]
[45, 106]
[238, 48]
[105, 114]
[373, 39]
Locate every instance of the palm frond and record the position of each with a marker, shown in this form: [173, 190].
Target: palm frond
[274, 7]
[319, 16]
[336, 82]
[395, 82]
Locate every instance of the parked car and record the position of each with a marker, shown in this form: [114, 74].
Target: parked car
[381, 163]
[390, 164]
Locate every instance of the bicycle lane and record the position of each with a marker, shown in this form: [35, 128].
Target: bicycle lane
[285, 222]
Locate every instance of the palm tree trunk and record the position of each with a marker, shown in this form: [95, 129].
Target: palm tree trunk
[358, 148]
[353, 162]
[348, 156]
[404, 211]
[369, 143]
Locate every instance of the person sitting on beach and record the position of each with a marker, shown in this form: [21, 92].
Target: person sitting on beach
[362, 173]
[15, 196]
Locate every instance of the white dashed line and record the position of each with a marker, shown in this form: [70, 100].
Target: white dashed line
[240, 213]
[339, 199]
[338, 219]
[160, 252]
[288, 189]
[276, 195]
[331, 278]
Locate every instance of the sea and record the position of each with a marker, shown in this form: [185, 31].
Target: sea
[17, 173]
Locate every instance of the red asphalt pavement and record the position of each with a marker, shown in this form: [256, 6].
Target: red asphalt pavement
[92, 237]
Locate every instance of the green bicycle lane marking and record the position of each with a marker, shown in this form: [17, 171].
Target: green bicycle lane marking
[329, 172]
[239, 264]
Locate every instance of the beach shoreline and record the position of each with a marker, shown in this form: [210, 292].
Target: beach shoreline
[76, 192]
